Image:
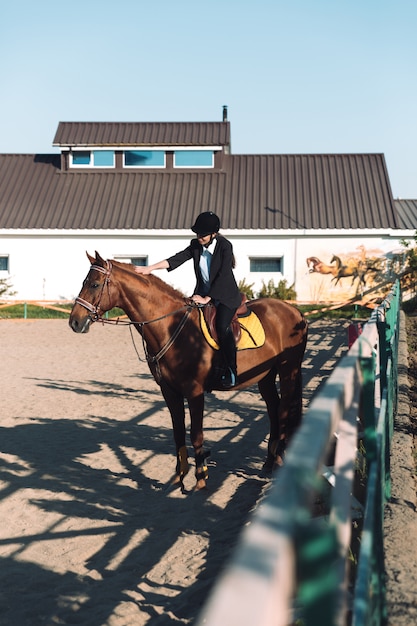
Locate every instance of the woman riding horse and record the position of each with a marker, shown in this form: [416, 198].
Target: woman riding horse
[182, 360]
[213, 265]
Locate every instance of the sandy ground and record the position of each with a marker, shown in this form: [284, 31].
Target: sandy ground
[89, 532]
[400, 528]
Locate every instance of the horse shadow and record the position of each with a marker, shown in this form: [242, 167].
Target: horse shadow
[52, 457]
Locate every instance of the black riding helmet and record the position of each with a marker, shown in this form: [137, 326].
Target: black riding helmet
[206, 224]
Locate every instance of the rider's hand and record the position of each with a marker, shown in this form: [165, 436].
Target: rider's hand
[142, 269]
[200, 299]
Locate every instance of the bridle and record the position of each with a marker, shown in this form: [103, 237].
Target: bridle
[95, 315]
[95, 308]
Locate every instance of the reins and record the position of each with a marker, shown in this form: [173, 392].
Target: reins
[97, 317]
[155, 358]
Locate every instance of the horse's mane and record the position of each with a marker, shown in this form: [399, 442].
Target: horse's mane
[167, 289]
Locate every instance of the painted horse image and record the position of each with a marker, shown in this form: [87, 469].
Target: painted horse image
[336, 268]
[182, 361]
[356, 268]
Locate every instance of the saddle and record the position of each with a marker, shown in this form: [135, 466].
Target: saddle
[209, 312]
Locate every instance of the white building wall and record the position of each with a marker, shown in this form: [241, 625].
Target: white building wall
[52, 265]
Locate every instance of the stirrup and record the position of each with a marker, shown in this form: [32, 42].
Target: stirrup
[228, 380]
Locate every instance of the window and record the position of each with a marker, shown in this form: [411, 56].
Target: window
[4, 263]
[193, 158]
[81, 158]
[103, 158]
[144, 158]
[266, 264]
[134, 260]
[139, 260]
[92, 158]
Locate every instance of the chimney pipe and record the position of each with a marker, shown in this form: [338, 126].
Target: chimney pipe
[224, 113]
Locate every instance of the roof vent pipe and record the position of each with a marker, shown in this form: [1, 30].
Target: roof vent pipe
[224, 113]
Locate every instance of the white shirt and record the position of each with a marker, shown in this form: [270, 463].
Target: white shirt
[205, 263]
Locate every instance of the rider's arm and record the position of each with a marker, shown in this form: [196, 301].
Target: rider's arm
[148, 269]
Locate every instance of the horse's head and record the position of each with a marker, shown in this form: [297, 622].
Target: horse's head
[312, 263]
[94, 297]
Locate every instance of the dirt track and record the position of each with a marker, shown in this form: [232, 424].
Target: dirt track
[88, 533]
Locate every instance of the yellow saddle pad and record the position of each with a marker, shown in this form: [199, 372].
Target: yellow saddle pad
[252, 335]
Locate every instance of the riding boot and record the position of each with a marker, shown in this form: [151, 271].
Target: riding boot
[228, 349]
[226, 344]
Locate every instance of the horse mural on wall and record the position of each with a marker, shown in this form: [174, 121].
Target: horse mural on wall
[338, 270]
[360, 268]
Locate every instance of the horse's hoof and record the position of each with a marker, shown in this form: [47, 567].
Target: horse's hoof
[268, 466]
[200, 484]
[266, 472]
[279, 461]
[271, 465]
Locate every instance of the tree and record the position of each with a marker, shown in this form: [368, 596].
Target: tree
[408, 281]
[6, 288]
[411, 254]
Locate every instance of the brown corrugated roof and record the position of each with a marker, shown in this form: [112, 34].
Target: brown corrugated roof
[142, 134]
[407, 213]
[250, 192]
[310, 191]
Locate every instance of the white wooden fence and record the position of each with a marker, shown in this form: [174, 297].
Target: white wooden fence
[312, 549]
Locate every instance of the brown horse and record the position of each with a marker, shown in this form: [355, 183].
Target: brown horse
[182, 361]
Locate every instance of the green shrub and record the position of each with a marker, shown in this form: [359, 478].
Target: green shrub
[280, 291]
[246, 289]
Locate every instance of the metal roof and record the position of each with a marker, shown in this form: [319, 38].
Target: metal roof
[407, 213]
[333, 191]
[71, 134]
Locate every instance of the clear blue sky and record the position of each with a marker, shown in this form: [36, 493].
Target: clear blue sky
[298, 76]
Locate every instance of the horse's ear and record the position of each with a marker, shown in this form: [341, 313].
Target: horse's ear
[90, 258]
[99, 260]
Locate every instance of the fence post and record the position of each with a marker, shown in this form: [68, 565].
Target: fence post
[368, 414]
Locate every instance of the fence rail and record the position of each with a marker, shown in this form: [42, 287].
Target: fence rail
[313, 551]
[52, 305]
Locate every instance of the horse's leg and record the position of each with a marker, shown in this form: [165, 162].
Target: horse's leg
[268, 390]
[295, 402]
[290, 410]
[175, 404]
[284, 411]
[196, 407]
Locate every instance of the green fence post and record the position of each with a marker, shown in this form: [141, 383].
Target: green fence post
[367, 365]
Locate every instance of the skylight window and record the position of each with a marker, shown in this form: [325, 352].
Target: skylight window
[144, 158]
[103, 158]
[92, 158]
[193, 158]
[81, 158]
